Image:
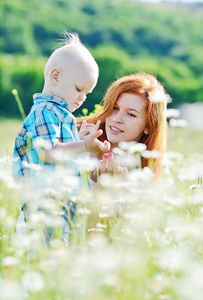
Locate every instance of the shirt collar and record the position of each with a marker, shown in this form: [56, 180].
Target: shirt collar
[39, 97]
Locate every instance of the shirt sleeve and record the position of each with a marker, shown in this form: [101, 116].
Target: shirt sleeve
[47, 129]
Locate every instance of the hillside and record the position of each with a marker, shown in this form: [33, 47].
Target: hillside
[166, 39]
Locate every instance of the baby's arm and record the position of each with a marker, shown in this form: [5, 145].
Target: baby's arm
[89, 144]
[47, 123]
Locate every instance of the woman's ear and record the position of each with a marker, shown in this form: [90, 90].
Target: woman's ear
[54, 76]
[146, 131]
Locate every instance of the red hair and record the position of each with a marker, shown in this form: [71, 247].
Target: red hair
[150, 90]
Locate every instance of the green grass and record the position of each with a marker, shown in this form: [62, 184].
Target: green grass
[8, 131]
[184, 140]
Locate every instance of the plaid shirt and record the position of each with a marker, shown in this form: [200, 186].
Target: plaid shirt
[49, 119]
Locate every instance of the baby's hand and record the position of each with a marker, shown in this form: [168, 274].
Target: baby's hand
[88, 128]
[94, 145]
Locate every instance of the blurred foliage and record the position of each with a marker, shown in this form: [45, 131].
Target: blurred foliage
[124, 37]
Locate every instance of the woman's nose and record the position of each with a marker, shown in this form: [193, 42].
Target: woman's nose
[118, 117]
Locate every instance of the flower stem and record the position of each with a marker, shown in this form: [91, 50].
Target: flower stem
[20, 106]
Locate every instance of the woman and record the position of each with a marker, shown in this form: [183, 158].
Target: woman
[133, 110]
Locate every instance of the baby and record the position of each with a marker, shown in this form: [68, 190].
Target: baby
[70, 74]
[50, 128]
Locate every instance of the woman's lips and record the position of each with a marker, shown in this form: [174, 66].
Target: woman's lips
[115, 130]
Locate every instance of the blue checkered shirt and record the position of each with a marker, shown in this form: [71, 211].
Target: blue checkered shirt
[49, 119]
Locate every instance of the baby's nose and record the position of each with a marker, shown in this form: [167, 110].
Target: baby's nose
[82, 97]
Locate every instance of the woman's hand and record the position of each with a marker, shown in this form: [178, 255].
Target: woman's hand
[109, 165]
[88, 128]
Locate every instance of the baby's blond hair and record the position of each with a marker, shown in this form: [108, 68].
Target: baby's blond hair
[70, 47]
[70, 38]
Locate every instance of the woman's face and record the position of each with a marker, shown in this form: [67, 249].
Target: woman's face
[128, 120]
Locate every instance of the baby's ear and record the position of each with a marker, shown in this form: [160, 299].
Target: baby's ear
[54, 76]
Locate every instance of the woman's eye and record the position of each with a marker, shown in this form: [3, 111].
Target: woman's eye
[116, 108]
[131, 115]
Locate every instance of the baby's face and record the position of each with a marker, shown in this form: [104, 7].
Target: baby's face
[75, 84]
